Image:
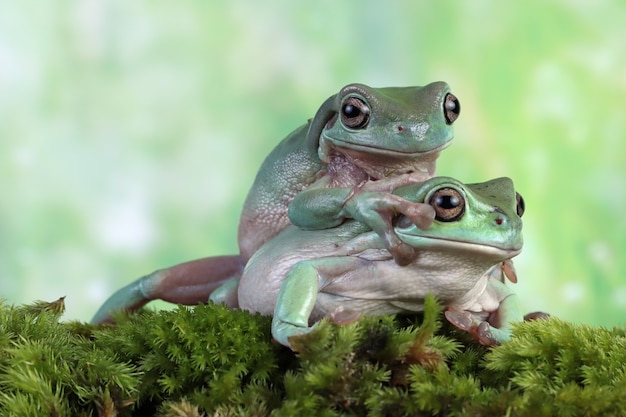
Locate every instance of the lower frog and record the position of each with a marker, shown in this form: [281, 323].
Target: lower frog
[302, 276]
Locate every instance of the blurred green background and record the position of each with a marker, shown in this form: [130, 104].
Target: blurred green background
[131, 131]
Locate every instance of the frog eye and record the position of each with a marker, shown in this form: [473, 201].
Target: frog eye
[448, 203]
[451, 108]
[521, 206]
[355, 114]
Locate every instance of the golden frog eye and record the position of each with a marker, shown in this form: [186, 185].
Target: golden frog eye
[355, 114]
[448, 203]
[521, 206]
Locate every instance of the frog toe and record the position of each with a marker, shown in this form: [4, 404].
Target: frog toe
[536, 315]
[461, 319]
[403, 254]
[481, 331]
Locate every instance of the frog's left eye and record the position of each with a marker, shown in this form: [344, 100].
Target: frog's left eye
[521, 206]
[355, 114]
[448, 203]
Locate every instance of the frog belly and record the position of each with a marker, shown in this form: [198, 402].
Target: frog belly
[381, 287]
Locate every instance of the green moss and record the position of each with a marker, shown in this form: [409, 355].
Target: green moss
[212, 361]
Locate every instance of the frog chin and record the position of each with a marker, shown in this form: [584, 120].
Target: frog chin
[380, 162]
[490, 251]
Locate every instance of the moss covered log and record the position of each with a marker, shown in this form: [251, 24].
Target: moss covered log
[212, 361]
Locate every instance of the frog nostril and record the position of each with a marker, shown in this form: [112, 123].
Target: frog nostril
[400, 128]
[499, 221]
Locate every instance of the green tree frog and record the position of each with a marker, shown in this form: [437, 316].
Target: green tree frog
[361, 144]
[301, 276]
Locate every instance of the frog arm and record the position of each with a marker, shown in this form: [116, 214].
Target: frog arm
[187, 283]
[321, 208]
[295, 302]
[497, 328]
[299, 293]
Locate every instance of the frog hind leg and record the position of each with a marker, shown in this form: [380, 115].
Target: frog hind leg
[188, 283]
[497, 328]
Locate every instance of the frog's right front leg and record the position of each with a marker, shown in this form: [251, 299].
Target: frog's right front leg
[188, 283]
[298, 295]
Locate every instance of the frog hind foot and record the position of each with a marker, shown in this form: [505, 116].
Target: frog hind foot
[188, 283]
[536, 315]
[481, 331]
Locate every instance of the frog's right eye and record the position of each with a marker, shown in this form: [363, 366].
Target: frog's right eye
[451, 108]
[448, 203]
[355, 113]
[521, 206]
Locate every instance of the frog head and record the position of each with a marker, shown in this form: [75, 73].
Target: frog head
[482, 219]
[385, 130]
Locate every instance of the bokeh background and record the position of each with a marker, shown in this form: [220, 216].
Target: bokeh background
[131, 131]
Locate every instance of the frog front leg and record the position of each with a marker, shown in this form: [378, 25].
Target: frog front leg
[299, 293]
[187, 283]
[496, 328]
[321, 208]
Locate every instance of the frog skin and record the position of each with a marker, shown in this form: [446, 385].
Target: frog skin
[362, 143]
[302, 276]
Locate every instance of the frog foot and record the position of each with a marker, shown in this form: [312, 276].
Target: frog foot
[536, 315]
[508, 269]
[504, 270]
[481, 331]
[379, 210]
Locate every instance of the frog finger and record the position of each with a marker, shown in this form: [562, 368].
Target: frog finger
[508, 270]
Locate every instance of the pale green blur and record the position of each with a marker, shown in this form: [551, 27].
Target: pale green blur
[131, 130]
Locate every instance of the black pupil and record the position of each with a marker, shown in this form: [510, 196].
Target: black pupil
[447, 201]
[350, 111]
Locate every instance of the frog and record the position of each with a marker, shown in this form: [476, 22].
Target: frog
[362, 143]
[303, 276]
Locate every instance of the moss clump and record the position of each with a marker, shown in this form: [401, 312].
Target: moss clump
[212, 361]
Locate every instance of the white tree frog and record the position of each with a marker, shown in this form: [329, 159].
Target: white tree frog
[301, 276]
[362, 143]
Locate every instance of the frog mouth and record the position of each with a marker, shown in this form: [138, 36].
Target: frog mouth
[377, 150]
[448, 245]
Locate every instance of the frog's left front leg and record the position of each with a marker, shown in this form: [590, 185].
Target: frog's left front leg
[298, 295]
[497, 328]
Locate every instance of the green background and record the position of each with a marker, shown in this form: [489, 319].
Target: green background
[130, 131]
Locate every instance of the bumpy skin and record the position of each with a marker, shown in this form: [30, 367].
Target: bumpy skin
[362, 143]
[302, 276]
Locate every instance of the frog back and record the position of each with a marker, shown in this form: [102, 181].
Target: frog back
[291, 167]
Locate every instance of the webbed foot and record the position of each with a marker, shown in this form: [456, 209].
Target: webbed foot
[481, 331]
[536, 315]
[379, 209]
